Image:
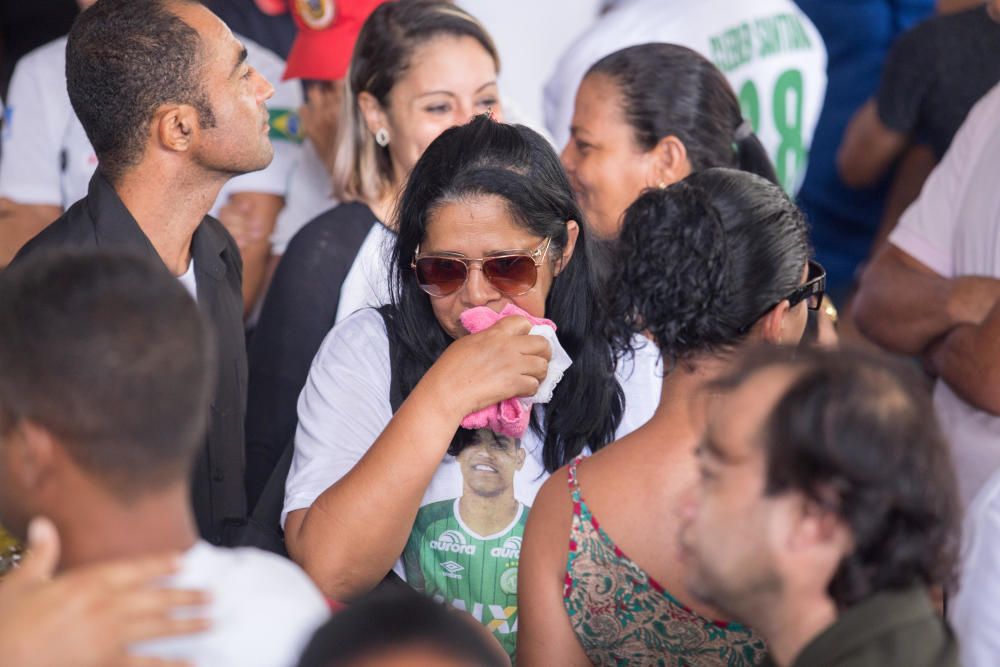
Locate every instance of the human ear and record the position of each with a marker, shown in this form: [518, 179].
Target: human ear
[572, 234]
[177, 127]
[817, 526]
[30, 455]
[773, 323]
[371, 110]
[669, 162]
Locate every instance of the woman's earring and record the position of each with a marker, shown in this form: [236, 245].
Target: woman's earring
[382, 137]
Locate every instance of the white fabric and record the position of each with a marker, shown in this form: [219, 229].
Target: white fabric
[44, 134]
[558, 364]
[310, 192]
[367, 282]
[344, 407]
[189, 281]
[954, 228]
[974, 612]
[721, 30]
[263, 610]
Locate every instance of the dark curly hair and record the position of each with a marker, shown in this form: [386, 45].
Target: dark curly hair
[856, 432]
[125, 58]
[486, 158]
[669, 89]
[698, 261]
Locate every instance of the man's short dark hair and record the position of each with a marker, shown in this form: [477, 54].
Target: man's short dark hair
[124, 59]
[398, 619]
[856, 432]
[108, 352]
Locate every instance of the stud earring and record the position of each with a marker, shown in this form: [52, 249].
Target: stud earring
[382, 137]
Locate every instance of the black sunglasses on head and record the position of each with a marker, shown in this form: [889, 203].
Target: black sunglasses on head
[811, 291]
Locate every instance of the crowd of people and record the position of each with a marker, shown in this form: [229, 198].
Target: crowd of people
[331, 352]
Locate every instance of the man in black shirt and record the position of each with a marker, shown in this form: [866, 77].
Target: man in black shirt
[827, 510]
[932, 77]
[173, 111]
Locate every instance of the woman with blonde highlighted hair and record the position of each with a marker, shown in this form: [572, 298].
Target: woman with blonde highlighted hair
[418, 68]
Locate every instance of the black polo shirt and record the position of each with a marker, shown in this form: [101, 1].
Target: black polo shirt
[100, 220]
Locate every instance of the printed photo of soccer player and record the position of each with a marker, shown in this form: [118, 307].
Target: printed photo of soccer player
[464, 551]
[488, 465]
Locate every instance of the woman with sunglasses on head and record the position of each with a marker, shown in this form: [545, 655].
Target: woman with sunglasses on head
[647, 116]
[715, 262]
[487, 222]
[418, 68]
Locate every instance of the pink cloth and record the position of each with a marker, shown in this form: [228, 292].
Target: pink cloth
[509, 417]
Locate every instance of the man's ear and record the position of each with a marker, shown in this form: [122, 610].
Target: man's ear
[31, 455]
[669, 162]
[373, 113]
[572, 234]
[176, 127]
[819, 527]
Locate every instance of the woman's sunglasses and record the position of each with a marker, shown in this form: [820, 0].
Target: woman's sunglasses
[512, 274]
[811, 291]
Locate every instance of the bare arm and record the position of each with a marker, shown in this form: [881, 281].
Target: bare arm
[379, 498]
[904, 306]
[19, 223]
[544, 634]
[250, 217]
[913, 169]
[868, 149]
[968, 359]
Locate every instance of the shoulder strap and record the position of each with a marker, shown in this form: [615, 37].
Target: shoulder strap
[571, 478]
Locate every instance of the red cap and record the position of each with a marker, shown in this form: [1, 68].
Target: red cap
[272, 7]
[327, 32]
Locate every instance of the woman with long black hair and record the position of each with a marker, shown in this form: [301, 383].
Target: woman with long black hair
[487, 219]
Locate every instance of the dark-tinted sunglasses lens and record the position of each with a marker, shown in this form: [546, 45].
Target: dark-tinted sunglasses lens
[440, 276]
[513, 275]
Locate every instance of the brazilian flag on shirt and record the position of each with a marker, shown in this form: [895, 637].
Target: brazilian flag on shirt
[285, 125]
[445, 559]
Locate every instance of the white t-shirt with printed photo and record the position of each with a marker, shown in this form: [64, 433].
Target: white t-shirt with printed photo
[769, 50]
[345, 406]
[47, 159]
[367, 282]
[954, 228]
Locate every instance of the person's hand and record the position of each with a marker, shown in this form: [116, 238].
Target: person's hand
[89, 617]
[493, 365]
[320, 117]
[239, 219]
[972, 298]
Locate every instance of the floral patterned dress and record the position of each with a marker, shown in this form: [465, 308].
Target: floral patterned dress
[622, 617]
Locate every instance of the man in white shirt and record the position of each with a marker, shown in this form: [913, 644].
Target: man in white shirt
[935, 291]
[103, 405]
[47, 159]
[768, 49]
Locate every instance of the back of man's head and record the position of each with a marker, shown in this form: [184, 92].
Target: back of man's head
[108, 354]
[124, 59]
[855, 432]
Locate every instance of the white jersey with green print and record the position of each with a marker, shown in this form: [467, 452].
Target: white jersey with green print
[449, 561]
[770, 52]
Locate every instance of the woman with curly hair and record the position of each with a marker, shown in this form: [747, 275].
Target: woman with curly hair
[705, 266]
